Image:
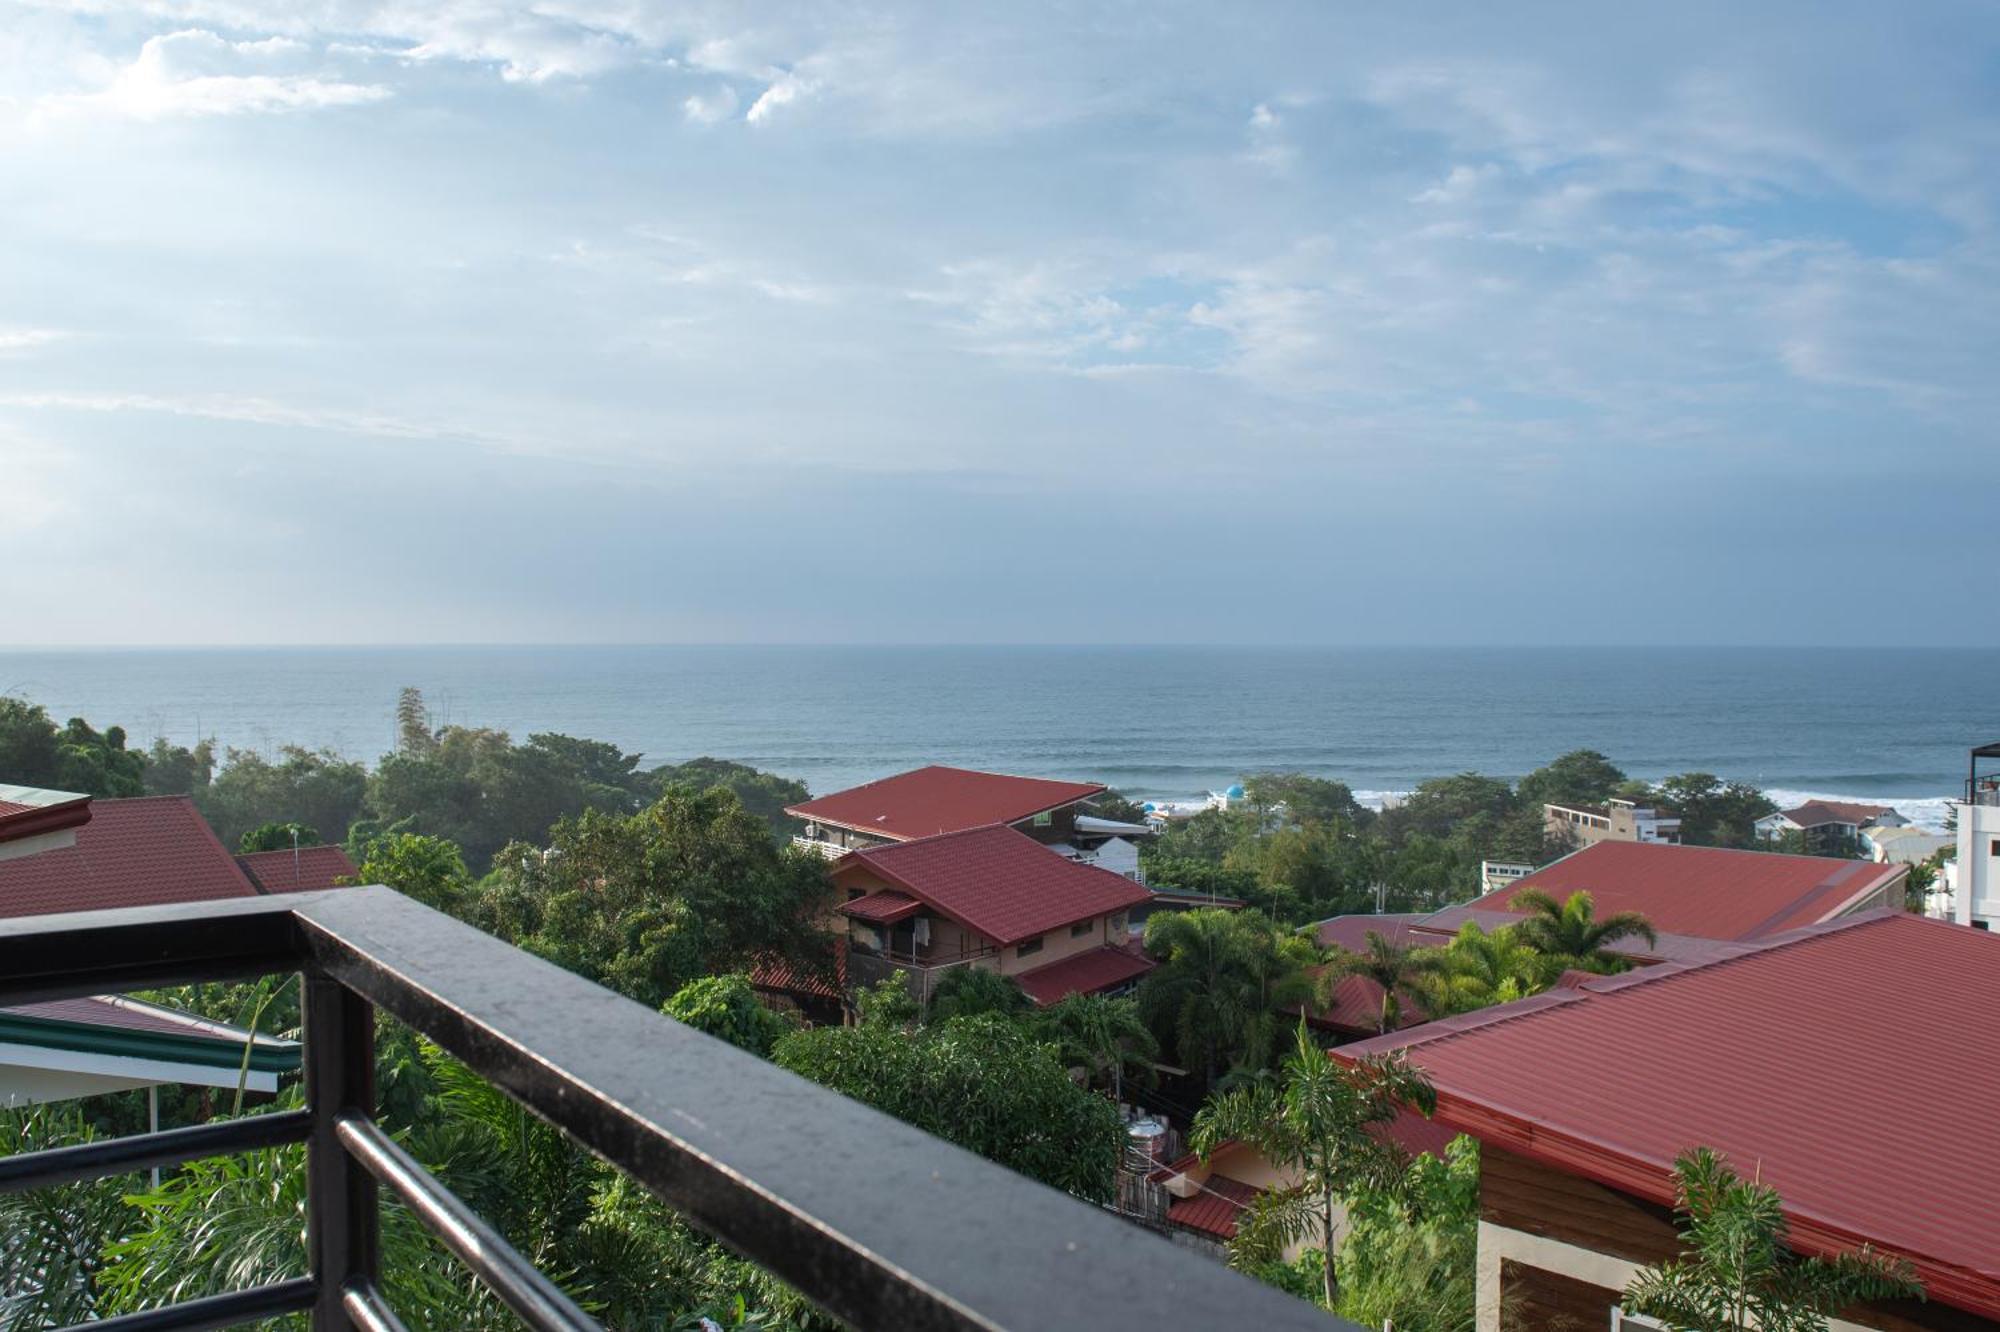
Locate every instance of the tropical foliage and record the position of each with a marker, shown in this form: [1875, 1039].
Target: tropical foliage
[1397, 970]
[984, 1083]
[1571, 934]
[1223, 983]
[1321, 1123]
[1735, 1272]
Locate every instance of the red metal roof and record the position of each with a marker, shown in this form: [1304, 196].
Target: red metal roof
[1085, 973]
[1000, 882]
[778, 973]
[1351, 932]
[1356, 1005]
[132, 853]
[1704, 891]
[1802, 1061]
[883, 908]
[26, 811]
[937, 799]
[306, 870]
[1213, 1210]
[1819, 813]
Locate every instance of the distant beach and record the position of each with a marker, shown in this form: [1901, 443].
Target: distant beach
[1164, 723]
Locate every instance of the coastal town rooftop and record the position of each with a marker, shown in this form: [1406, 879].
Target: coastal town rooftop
[939, 799]
[1800, 1061]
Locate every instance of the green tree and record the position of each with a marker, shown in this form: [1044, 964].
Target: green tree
[1111, 804]
[1444, 806]
[967, 991]
[1304, 799]
[887, 1004]
[97, 763]
[1396, 968]
[1580, 777]
[1570, 933]
[1713, 812]
[27, 743]
[728, 1008]
[764, 794]
[178, 770]
[1478, 969]
[692, 886]
[314, 788]
[430, 869]
[1224, 979]
[1105, 1037]
[54, 1239]
[1735, 1272]
[1411, 1254]
[413, 723]
[276, 837]
[1319, 1123]
[981, 1082]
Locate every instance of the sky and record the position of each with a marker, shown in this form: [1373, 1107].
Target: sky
[370, 321]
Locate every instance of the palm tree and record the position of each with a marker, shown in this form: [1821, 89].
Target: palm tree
[1571, 931]
[1222, 980]
[1317, 1122]
[1393, 966]
[1736, 1272]
[1477, 969]
[1104, 1036]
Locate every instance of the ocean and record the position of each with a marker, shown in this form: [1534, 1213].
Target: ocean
[1157, 722]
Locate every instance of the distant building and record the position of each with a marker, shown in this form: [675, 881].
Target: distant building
[1612, 821]
[1829, 824]
[1902, 845]
[1974, 879]
[1497, 874]
[928, 801]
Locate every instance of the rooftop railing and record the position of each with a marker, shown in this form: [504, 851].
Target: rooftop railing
[879, 1224]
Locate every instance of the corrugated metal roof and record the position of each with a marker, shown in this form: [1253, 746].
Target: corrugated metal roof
[1701, 891]
[1853, 1066]
[1001, 882]
[1351, 932]
[306, 870]
[883, 908]
[1213, 1210]
[1085, 973]
[937, 799]
[132, 853]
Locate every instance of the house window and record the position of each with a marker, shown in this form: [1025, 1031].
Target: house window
[1028, 947]
[1116, 924]
[1081, 928]
[1994, 850]
[1044, 819]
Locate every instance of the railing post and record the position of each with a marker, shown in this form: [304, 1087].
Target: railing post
[341, 1213]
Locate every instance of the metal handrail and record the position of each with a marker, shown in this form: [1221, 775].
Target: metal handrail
[876, 1222]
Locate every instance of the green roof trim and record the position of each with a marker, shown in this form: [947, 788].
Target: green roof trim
[120, 1042]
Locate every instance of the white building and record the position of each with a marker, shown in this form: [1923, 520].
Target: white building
[1975, 879]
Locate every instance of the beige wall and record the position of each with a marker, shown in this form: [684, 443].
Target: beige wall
[1058, 944]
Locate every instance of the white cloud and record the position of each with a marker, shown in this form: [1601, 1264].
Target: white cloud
[26, 339]
[711, 108]
[784, 90]
[198, 73]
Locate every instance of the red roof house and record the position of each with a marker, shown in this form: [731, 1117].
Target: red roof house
[33, 820]
[306, 870]
[134, 852]
[1802, 1060]
[1696, 894]
[989, 896]
[937, 799]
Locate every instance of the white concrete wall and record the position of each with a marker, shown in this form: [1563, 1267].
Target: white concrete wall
[1976, 896]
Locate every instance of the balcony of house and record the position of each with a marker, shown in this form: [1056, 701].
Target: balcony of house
[876, 1223]
[889, 934]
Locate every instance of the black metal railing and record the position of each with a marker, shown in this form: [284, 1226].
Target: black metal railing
[879, 1224]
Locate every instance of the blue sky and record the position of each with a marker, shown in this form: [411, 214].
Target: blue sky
[580, 321]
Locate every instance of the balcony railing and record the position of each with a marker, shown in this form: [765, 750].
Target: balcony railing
[879, 1224]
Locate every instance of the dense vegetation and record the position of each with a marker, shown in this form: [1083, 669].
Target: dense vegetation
[668, 884]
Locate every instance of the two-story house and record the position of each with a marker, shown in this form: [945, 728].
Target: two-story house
[988, 897]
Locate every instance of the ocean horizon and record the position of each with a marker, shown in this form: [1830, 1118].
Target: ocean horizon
[1159, 722]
